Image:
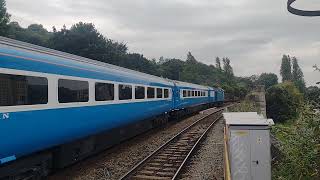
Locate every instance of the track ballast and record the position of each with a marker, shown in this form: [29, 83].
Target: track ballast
[168, 160]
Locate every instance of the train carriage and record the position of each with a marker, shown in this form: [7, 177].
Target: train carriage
[57, 108]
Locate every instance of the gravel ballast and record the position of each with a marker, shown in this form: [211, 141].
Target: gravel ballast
[208, 160]
[116, 161]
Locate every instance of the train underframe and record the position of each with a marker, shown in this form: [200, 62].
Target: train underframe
[41, 164]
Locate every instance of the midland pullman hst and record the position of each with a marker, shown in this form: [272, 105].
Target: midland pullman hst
[57, 108]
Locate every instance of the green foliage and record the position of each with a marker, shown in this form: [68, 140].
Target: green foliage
[300, 147]
[267, 79]
[218, 64]
[313, 96]
[227, 68]
[283, 102]
[35, 33]
[297, 75]
[4, 18]
[245, 106]
[172, 69]
[137, 62]
[83, 39]
[285, 69]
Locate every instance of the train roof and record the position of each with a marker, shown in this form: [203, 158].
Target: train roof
[190, 85]
[62, 58]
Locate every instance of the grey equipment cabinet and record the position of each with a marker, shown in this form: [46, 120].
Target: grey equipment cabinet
[248, 145]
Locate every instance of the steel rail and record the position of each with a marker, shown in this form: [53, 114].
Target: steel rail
[194, 147]
[135, 168]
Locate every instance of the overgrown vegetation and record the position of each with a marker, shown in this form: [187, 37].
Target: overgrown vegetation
[300, 147]
[283, 102]
[298, 125]
[245, 106]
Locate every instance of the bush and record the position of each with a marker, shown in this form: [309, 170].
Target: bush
[283, 102]
[300, 147]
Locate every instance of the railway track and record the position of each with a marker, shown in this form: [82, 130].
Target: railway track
[168, 160]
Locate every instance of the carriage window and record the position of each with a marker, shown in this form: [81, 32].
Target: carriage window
[125, 92]
[150, 92]
[23, 90]
[192, 93]
[104, 92]
[198, 93]
[166, 93]
[159, 93]
[139, 92]
[189, 93]
[73, 91]
[184, 92]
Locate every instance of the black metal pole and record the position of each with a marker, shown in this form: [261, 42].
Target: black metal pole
[300, 12]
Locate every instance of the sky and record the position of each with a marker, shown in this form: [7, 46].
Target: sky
[253, 34]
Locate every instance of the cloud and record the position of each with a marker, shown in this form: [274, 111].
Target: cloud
[254, 34]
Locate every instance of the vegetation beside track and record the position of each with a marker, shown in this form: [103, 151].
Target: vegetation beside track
[298, 156]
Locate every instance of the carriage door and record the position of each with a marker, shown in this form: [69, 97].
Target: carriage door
[175, 96]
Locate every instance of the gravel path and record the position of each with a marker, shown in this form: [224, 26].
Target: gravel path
[207, 162]
[114, 162]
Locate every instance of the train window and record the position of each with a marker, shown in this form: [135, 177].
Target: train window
[184, 93]
[166, 93]
[193, 94]
[139, 92]
[73, 91]
[104, 92]
[23, 90]
[159, 93]
[125, 92]
[199, 93]
[189, 93]
[150, 93]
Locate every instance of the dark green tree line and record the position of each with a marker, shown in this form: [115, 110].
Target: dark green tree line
[4, 18]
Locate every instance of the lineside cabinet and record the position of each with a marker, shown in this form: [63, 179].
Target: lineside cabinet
[248, 145]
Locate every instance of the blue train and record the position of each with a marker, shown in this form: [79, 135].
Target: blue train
[57, 108]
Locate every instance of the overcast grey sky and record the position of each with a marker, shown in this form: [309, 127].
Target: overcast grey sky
[253, 33]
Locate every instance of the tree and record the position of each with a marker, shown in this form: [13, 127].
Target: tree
[191, 58]
[313, 95]
[267, 79]
[285, 70]
[283, 102]
[4, 18]
[297, 75]
[228, 70]
[172, 69]
[83, 39]
[218, 64]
